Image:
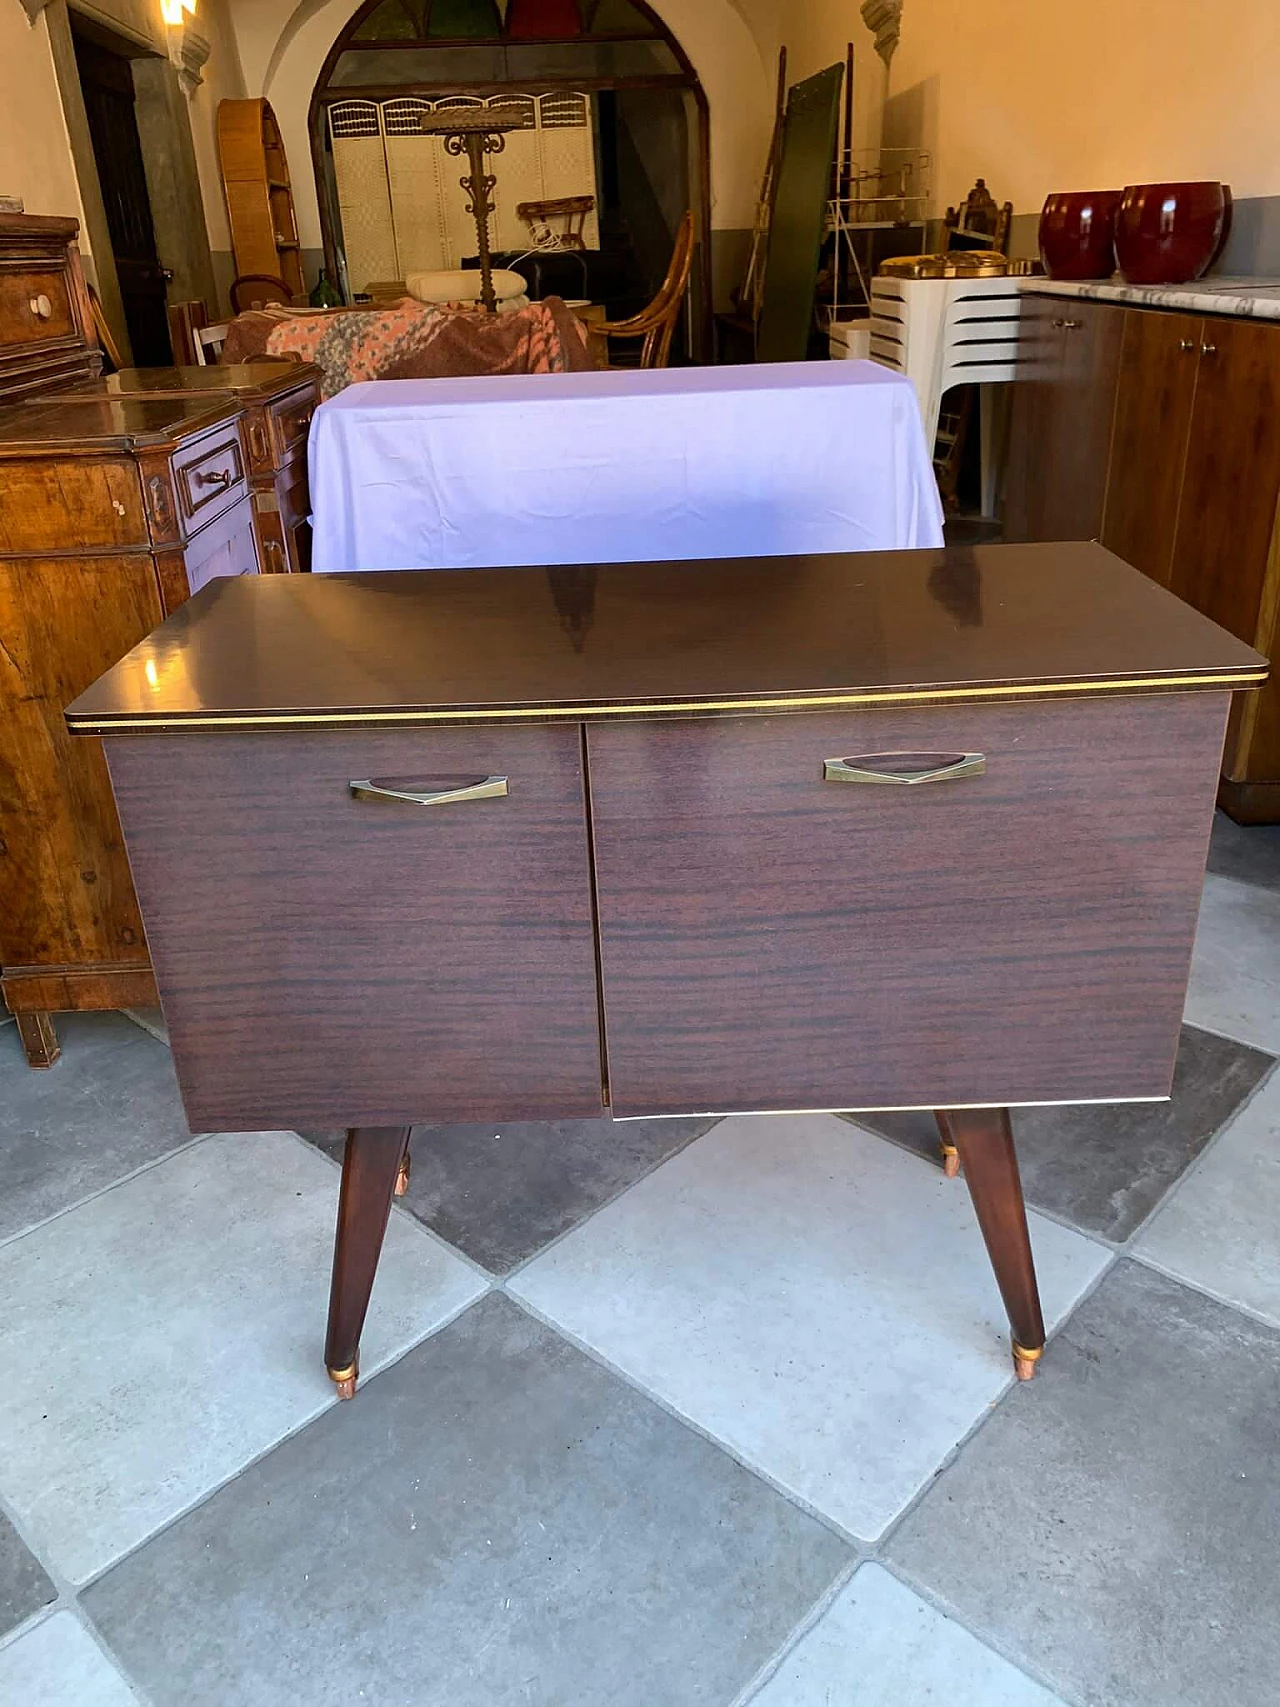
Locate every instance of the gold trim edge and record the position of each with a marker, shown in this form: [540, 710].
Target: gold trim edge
[105, 725]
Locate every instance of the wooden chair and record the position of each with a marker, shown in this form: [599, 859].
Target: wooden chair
[102, 330]
[539, 217]
[258, 290]
[656, 324]
[208, 344]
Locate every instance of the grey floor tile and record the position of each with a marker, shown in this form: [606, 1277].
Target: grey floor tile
[151, 1020]
[1115, 1522]
[880, 1645]
[811, 1297]
[495, 1519]
[1235, 970]
[24, 1587]
[157, 1338]
[1221, 1228]
[108, 1106]
[1104, 1168]
[502, 1192]
[58, 1664]
[1248, 852]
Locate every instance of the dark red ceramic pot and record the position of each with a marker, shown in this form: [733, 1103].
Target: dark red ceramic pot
[1169, 233]
[1077, 234]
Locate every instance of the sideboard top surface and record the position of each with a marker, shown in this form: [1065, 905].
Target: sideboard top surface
[254, 380]
[732, 635]
[103, 424]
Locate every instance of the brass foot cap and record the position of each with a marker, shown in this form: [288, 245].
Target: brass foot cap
[1024, 1361]
[950, 1161]
[345, 1380]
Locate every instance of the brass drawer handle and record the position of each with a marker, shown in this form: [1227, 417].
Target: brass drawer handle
[215, 477]
[904, 770]
[492, 788]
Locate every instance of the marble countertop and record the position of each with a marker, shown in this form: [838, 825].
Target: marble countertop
[1257, 299]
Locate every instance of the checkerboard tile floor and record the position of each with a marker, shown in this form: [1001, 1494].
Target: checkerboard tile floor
[664, 1413]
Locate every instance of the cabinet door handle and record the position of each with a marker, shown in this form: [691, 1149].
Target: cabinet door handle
[491, 788]
[1208, 349]
[904, 770]
[1188, 344]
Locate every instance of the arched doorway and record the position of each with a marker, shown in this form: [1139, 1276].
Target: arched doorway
[614, 111]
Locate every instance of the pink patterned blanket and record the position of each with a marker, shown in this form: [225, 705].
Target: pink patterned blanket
[412, 340]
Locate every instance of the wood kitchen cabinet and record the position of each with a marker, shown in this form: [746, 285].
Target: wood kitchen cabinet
[770, 834]
[1188, 407]
[1061, 428]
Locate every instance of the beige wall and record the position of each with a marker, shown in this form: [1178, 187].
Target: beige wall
[223, 79]
[35, 154]
[1099, 93]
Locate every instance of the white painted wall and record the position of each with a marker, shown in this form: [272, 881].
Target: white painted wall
[35, 153]
[1035, 96]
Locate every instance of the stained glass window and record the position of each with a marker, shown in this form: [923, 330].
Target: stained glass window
[392, 21]
[463, 20]
[618, 18]
[543, 20]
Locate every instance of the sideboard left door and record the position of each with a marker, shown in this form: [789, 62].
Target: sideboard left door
[329, 958]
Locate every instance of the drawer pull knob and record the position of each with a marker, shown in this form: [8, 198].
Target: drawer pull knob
[904, 770]
[41, 307]
[491, 788]
[214, 477]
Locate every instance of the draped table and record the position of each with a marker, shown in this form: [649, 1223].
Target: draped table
[621, 466]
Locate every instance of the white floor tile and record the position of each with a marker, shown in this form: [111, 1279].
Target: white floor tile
[880, 1645]
[810, 1295]
[58, 1664]
[1235, 971]
[1221, 1229]
[157, 1338]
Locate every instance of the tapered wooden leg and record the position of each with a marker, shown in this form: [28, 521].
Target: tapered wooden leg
[369, 1172]
[950, 1155]
[984, 1138]
[39, 1039]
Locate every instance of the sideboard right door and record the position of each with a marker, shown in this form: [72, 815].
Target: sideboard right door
[1021, 933]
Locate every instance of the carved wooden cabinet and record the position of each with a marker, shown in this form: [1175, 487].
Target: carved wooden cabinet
[1158, 432]
[111, 514]
[46, 336]
[278, 400]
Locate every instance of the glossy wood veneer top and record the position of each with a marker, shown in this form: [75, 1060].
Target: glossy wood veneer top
[731, 635]
[95, 424]
[257, 380]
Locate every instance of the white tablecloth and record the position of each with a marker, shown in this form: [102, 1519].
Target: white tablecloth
[620, 467]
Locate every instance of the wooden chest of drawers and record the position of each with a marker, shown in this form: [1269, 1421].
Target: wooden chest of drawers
[46, 336]
[111, 514]
[277, 400]
[907, 829]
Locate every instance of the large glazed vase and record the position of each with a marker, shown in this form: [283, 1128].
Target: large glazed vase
[1169, 233]
[1077, 234]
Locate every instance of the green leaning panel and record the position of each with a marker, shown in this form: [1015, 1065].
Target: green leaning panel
[799, 217]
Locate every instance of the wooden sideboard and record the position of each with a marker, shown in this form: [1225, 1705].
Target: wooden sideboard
[278, 400]
[1158, 432]
[111, 514]
[921, 829]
